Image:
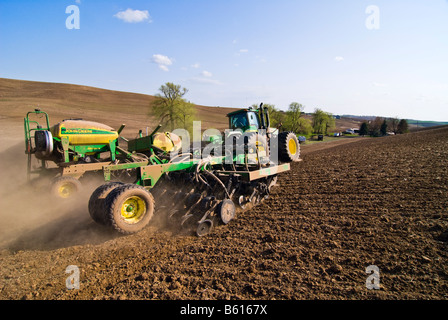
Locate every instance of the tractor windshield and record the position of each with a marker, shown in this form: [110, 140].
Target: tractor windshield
[239, 120]
[246, 120]
[253, 120]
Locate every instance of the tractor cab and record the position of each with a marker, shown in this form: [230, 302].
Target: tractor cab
[249, 120]
[246, 120]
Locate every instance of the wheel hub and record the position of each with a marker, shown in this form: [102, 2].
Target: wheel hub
[292, 147]
[66, 190]
[133, 209]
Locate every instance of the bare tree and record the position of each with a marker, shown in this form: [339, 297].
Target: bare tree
[375, 126]
[170, 107]
[393, 125]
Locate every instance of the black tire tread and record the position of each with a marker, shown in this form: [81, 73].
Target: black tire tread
[97, 208]
[112, 203]
[283, 151]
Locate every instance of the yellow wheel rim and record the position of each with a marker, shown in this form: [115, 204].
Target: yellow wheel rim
[66, 190]
[292, 146]
[133, 209]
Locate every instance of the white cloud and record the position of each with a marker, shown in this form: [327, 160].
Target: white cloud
[162, 61]
[206, 74]
[377, 84]
[244, 50]
[338, 59]
[205, 81]
[78, 1]
[133, 16]
[205, 77]
[196, 65]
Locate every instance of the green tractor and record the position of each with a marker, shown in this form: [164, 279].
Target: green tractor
[252, 127]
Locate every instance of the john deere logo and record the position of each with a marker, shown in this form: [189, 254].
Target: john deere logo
[82, 131]
[76, 131]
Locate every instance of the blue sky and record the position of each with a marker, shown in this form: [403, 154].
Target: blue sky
[336, 55]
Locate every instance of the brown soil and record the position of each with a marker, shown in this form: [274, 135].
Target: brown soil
[376, 202]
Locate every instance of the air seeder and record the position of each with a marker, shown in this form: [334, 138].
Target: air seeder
[75, 149]
[193, 187]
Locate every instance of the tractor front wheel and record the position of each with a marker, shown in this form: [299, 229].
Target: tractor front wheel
[129, 208]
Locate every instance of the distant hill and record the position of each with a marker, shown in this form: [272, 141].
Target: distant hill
[63, 101]
[359, 118]
[426, 124]
[411, 122]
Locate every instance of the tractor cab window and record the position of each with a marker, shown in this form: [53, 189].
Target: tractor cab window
[253, 119]
[239, 120]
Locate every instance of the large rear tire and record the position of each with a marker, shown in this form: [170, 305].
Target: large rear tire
[97, 202]
[129, 208]
[288, 147]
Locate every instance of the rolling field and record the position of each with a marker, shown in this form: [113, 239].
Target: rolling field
[346, 206]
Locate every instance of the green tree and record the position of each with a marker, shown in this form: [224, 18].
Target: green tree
[331, 122]
[293, 116]
[322, 121]
[383, 129]
[305, 126]
[171, 108]
[364, 129]
[276, 116]
[186, 116]
[403, 126]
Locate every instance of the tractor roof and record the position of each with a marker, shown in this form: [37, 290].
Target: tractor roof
[240, 111]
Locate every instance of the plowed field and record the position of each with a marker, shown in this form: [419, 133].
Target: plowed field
[379, 202]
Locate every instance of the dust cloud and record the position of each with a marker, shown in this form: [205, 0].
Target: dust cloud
[32, 219]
